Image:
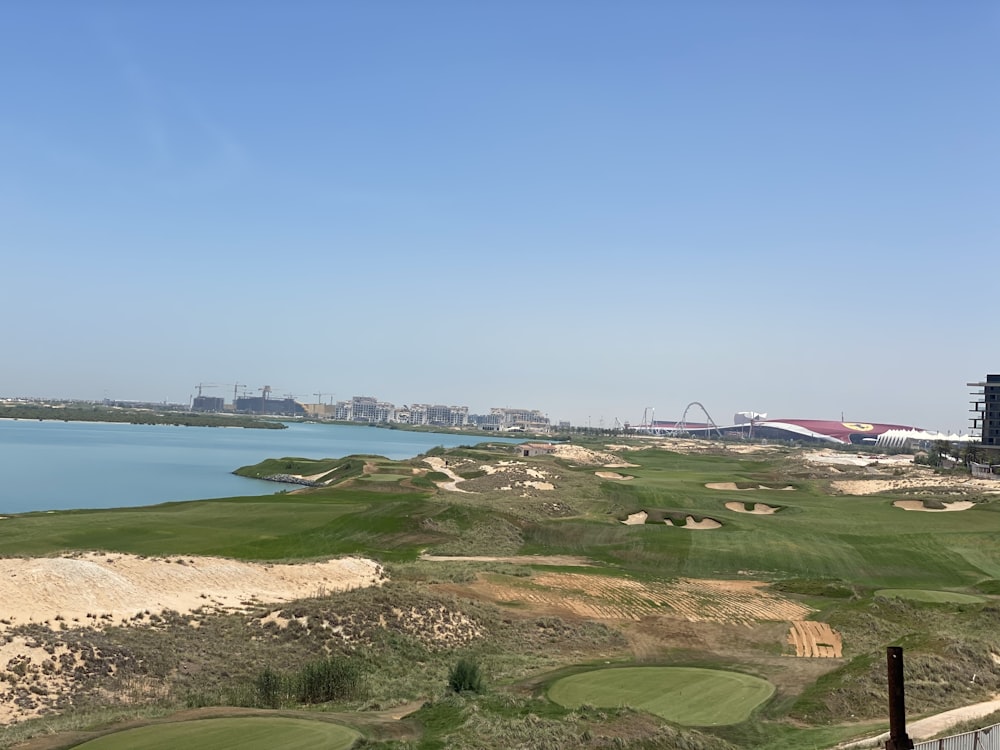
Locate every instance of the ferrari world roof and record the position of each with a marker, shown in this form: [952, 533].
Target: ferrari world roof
[825, 430]
[820, 430]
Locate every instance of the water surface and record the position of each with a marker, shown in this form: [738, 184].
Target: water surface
[54, 465]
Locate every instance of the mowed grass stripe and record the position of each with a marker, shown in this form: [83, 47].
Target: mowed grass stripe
[250, 733]
[686, 695]
[933, 597]
[271, 527]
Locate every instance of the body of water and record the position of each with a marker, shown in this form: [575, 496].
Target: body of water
[65, 465]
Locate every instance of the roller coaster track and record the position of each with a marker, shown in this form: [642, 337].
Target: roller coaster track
[681, 426]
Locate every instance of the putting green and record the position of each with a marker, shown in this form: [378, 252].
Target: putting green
[249, 733]
[686, 695]
[926, 595]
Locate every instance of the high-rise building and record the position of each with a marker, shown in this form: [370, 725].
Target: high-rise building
[986, 410]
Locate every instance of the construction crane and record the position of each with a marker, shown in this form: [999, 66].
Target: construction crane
[236, 386]
[205, 385]
[265, 392]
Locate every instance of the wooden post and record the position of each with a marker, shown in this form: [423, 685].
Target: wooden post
[898, 739]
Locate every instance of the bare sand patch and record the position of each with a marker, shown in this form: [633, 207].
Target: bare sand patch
[691, 523]
[439, 464]
[815, 639]
[636, 519]
[839, 458]
[312, 477]
[585, 456]
[96, 588]
[758, 508]
[539, 485]
[613, 475]
[919, 505]
[611, 598]
[924, 480]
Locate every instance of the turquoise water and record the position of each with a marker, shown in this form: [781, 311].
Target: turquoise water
[67, 465]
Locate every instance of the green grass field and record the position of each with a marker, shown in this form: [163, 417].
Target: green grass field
[250, 733]
[686, 695]
[934, 597]
[816, 535]
[858, 539]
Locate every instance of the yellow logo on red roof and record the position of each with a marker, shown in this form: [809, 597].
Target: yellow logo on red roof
[858, 426]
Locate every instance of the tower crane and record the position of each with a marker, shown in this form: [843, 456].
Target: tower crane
[205, 385]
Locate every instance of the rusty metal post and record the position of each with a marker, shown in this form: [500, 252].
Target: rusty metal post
[898, 739]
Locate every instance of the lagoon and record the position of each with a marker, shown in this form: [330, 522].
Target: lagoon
[52, 465]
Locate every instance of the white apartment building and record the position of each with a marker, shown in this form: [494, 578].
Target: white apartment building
[518, 419]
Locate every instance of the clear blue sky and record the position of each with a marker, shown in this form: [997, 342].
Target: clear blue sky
[581, 207]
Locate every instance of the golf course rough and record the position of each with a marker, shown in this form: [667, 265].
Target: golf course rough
[248, 733]
[690, 696]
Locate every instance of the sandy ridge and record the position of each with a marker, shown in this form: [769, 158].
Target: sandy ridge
[96, 588]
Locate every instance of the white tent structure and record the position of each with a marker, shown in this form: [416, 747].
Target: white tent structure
[909, 439]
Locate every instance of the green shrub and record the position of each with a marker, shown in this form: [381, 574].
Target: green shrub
[465, 677]
[328, 680]
[269, 688]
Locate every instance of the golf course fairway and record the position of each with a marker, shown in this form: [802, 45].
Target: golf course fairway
[686, 695]
[926, 595]
[249, 733]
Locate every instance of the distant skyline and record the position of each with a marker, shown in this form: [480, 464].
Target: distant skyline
[587, 208]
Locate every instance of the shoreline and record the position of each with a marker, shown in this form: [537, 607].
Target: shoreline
[128, 467]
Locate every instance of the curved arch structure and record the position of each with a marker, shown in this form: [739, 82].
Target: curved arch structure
[681, 426]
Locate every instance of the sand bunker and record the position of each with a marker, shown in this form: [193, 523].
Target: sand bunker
[731, 486]
[758, 508]
[96, 588]
[690, 523]
[612, 475]
[636, 519]
[919, 505]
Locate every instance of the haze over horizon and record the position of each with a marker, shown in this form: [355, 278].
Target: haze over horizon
[581, 208]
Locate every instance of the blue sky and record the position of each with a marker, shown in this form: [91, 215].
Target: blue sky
[581, 207]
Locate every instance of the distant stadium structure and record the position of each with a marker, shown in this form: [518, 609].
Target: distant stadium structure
[749, 424]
